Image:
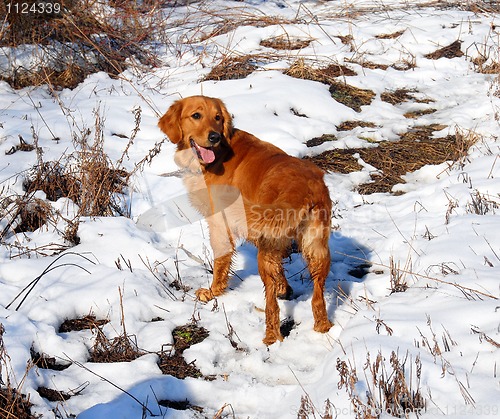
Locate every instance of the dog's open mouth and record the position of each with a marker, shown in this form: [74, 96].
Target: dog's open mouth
[205, 154]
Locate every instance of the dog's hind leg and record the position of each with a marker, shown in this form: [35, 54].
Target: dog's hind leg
[316, 252]
[271, 272]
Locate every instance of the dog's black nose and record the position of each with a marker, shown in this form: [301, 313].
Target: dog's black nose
[214, 137]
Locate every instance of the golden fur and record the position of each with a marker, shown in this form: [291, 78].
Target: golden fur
[248, 188]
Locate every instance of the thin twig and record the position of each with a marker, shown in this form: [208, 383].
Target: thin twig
[422, 276]
[48, 269]
[79, 364]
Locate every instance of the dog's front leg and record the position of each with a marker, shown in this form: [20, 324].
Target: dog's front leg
[223, 247]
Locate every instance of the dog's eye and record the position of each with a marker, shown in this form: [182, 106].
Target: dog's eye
[196, 115]
[217, 117]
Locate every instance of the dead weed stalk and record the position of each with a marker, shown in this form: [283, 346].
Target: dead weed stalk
[13, 403]
[122, 348]
[392, 388]
[470, 292]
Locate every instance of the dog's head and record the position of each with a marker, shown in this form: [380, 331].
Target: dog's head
[199, 124]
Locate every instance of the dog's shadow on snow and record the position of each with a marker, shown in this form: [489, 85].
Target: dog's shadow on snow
[350, 263]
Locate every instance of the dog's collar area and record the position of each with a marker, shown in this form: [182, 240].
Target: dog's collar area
[205, 154]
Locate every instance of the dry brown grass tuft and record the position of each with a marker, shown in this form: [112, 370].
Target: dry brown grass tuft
[351, 96]
[393, 389]
[87, 177]
[51, 178]
[232, 68]
[339, 161]
[395, 159]
[397, 96]
[232, 21]
[300, 70]
[13, 404]
[118, 349]
[284, 42]
[73, 42]
[414, 150]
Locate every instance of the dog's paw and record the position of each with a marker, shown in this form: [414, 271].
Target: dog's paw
[323, 326]
[272, 337]
[204, 294]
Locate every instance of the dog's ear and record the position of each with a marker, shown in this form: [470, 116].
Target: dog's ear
[228, 121]
[170, 123]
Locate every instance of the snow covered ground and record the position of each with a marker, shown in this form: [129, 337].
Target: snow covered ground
[444, 328]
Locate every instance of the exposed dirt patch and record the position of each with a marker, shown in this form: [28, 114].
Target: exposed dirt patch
[47, 362]
[392, 35]
[286, 326]
[188, 335]
[313, 142]
[174, 363]
[180, 405]
[450, 51]
[53, 395]
[350, 125]
[84, 323]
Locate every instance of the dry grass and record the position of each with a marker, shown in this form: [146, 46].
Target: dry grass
[87, 177]
[87, 322]
[75, 43]
[232, 68]
[122, 348]
[119, 349]
[351, 96]
[313, 142]
[226, 23]
[301, 70]
[414, 150]
[339, 161]
[397, 97]
[13, 404]
[393, 389]
[285, 42]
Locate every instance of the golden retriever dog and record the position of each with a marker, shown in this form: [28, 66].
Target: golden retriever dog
[250, 189]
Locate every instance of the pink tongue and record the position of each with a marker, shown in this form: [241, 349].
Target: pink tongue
[207, 154]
